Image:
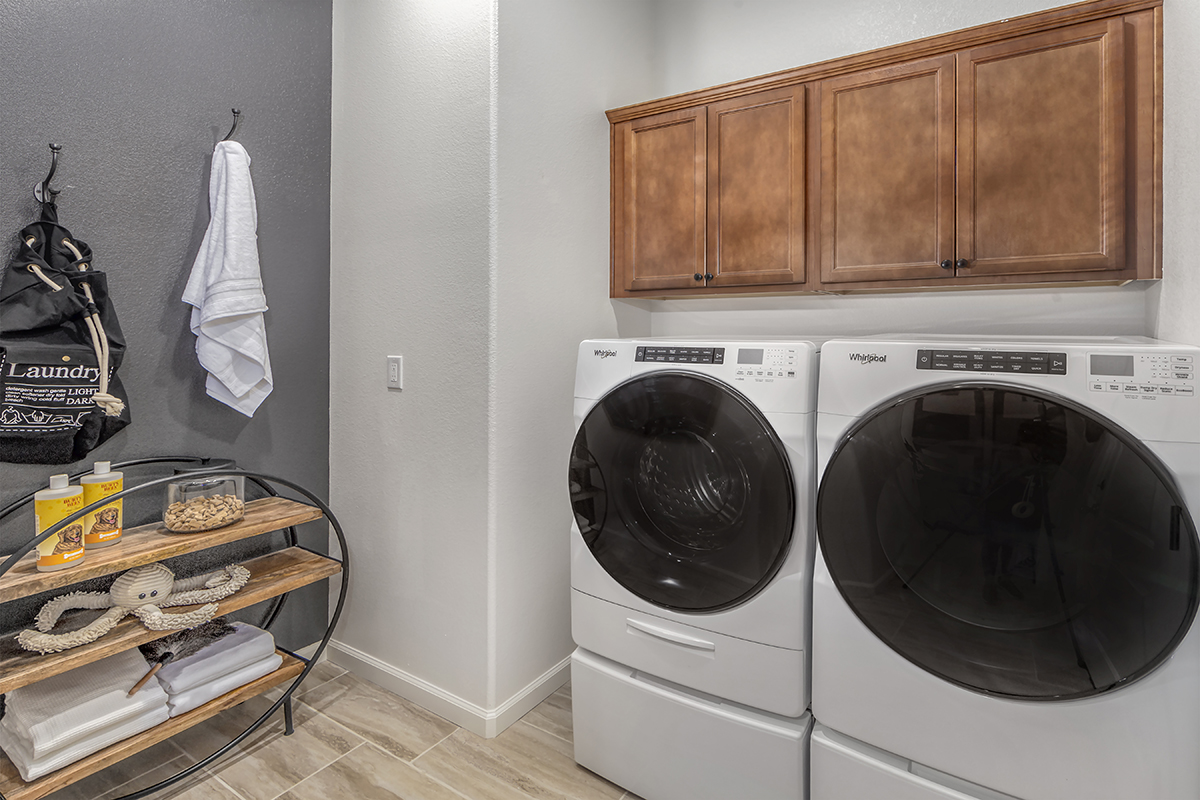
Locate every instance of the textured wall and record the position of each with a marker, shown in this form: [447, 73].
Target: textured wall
[137, 92]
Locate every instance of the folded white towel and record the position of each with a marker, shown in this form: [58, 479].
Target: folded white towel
[193, 698]
[53, 713]
[245, 646]
[32, 768]
[225, 288]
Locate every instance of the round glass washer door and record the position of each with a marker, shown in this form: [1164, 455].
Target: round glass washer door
[682, 491]
[1009, 541]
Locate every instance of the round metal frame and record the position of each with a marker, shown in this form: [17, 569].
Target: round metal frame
[265, 482]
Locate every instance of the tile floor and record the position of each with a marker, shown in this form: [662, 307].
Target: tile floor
[356, 741]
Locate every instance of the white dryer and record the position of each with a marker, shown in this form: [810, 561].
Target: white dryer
[1008, 569]
[691, 483]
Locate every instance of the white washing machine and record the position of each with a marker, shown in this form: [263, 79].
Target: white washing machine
[1007, 571]
[691, 561]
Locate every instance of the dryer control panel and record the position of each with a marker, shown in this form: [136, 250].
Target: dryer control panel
[765, 363]
[1142, 374]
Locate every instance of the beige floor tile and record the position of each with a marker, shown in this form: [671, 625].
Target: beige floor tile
[390, 722]
[268, 763]
[368, 773]
[355, 740]
[521, 761]
[200, 786]
[322, 673]
[553, 714]
[96, 784]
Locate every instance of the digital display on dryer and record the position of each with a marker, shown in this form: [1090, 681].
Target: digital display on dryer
[750, 355]
[1111, 365]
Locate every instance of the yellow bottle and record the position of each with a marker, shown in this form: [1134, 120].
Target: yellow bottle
[102, 527]
[51, 506]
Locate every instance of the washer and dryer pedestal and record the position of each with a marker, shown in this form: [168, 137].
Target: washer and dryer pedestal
[663, 742]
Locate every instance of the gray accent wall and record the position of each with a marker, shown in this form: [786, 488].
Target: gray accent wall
[138, 92]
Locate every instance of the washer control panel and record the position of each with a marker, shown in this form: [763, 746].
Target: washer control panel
[993, 361]
[1142, 374]
[765, 363]
[681, 355]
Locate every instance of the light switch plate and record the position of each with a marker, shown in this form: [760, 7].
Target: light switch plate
[395, 372]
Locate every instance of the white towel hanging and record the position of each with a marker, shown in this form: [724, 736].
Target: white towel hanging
[225, 288]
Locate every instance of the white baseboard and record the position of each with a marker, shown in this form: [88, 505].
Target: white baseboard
[307, 652]
[465, 714]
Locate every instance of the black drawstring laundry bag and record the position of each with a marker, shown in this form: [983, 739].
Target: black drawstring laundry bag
[60, 347]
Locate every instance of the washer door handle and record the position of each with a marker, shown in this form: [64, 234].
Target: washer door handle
[632, 625]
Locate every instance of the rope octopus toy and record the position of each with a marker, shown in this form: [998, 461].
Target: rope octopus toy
[142, 591]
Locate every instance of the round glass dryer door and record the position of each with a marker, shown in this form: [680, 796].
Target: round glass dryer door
[1010, 542]
[682, 491]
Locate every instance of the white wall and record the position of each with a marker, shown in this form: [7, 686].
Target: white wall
[561, 64]
[410, 275]
[470, 235]
[1174, 307]
[707, 42]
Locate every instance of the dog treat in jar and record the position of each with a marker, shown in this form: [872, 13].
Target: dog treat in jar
[203, 503]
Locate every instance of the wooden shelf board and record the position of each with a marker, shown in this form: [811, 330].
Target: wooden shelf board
[146, 544]
[270, 575]
[13, 788]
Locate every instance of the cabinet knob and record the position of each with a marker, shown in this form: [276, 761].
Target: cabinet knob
[708, 276]
[698, 276]
[947, 264]
[961, 263]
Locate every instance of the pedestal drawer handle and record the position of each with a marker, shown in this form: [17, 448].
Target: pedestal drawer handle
[669, 636]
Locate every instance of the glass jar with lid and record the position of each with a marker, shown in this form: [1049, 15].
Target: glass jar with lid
[197, 503]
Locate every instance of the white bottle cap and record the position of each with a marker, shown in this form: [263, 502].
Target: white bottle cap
[60, 481]
[102, 468]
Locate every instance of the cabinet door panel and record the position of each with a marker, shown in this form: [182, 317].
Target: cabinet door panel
[1042, 153]
[887, 173]
[756, 189]
[664, 200]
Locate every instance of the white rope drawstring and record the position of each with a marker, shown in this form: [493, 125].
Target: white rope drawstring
[112, 405]
[36, 270]
[75, 250]
[70, 246]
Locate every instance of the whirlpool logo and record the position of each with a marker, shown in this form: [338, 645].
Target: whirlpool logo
[868, 358]
[605, 353]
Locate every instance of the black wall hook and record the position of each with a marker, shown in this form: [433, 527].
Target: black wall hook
[42, 191]
[237, 117]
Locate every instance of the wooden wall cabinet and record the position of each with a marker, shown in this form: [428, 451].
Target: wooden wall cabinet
[1002, 160]
[711, 197]
[1020, 152]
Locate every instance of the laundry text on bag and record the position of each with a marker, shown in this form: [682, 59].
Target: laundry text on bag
[37, 371]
